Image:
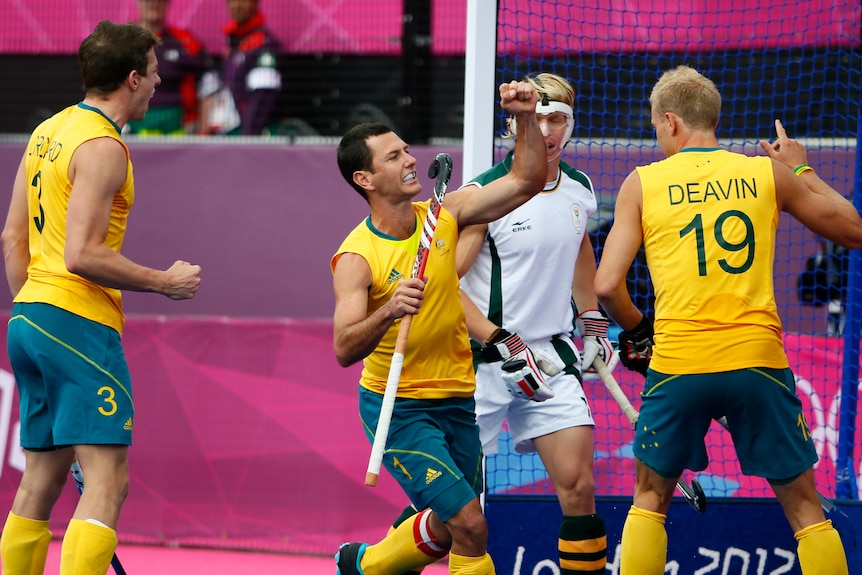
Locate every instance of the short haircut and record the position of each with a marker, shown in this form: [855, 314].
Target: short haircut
[554, 87]
[354, 154]
[108, 55]
[690, 95]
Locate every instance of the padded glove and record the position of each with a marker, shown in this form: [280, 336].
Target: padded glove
[592, 326]
[523, 371]
[636, 346]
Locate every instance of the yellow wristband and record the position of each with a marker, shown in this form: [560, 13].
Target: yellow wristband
[801, 169]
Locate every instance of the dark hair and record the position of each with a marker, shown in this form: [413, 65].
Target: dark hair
[353, 152]
[108, 55]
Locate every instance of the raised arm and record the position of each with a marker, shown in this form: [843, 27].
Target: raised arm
[529, 165]
[807, 197]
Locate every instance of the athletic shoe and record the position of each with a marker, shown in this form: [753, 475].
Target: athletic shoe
[348, 557]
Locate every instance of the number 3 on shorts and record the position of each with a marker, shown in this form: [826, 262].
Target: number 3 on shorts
[108, 393]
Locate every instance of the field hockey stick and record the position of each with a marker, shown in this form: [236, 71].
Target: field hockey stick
[693, 494]
[78, 476]
[441, 169]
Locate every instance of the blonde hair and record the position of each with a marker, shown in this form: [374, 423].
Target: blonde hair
[548, 86]
[688, 94]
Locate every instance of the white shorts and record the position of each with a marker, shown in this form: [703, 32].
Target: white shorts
[528, 419]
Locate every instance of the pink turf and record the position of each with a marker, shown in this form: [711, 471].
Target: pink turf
[150, 560]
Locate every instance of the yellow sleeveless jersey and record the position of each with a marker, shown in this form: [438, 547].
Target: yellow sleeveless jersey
[49, 153]
[709, 224]
[437, 361]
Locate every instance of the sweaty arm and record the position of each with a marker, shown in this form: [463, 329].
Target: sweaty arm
[621, 247]
[529, 166]
[355, 332]
[15, 238]
[97, 171]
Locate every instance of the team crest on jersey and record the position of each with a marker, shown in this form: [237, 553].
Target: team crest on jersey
[578, 217]
[442, 248]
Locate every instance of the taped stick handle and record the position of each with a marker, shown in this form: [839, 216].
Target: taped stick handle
[614, 389]
[381, 433]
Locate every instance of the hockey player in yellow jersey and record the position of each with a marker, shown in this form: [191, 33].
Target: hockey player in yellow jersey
[64, 230]
[707, 219]
[433, 447]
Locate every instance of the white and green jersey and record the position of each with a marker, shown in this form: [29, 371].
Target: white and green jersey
[521, 278]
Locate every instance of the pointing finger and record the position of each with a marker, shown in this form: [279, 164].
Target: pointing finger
[779, 129]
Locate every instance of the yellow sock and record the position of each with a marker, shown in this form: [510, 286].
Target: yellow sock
[24, 545]
[820, 550]
[583, 545]
[87, 549]
[407, 547]
[409, 513]
[644, 543]
[462, 565]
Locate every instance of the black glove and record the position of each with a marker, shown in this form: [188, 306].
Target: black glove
[636, 346]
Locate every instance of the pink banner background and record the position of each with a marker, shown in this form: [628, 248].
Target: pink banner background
[374, 26]
[247, 435]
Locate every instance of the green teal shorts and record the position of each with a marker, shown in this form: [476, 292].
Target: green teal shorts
[72, 377]
[765, 418]
[432, 449]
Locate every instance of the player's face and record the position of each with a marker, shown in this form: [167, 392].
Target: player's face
[553, 127]
[146, 87]
[394, 167]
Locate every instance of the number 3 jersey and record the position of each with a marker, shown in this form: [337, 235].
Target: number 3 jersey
[521, 278]
[49, 155]
[709, 222]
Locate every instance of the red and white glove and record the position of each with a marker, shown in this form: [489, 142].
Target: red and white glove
[592, 326]
[523, 371]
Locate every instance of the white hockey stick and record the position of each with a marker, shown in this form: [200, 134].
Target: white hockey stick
[693, 494]
[441, 168]
[614, 389]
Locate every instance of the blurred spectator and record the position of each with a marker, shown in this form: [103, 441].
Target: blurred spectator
[242, 100]
[182, 62]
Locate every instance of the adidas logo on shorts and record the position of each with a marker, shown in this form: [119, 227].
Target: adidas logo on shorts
[128, 425]
[431, 475]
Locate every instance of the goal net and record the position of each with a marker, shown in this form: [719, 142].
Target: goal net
[796, 61]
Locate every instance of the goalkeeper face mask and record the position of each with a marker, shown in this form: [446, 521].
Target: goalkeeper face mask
[547, 107]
